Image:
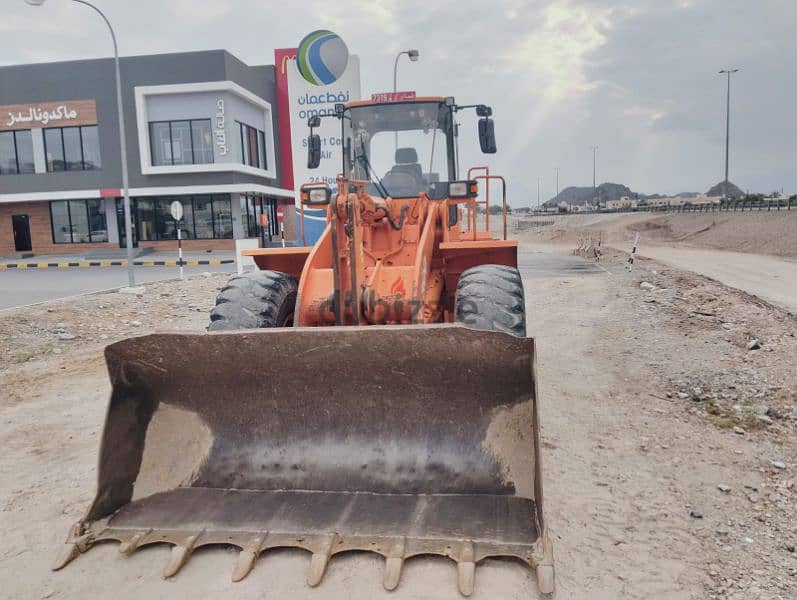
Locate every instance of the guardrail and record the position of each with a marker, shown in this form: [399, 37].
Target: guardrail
[741, 205]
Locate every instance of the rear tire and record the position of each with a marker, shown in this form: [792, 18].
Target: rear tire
[255, 300]
[490, 298]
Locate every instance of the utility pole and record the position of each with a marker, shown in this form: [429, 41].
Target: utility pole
[556, 170]
[594, 171]
[727, 72]
[538, 193]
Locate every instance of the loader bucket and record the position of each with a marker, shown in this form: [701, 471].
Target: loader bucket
[397, 440]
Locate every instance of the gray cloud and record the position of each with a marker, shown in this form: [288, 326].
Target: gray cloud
[637, 78]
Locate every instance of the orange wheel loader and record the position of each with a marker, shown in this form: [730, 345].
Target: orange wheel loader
[375, 391]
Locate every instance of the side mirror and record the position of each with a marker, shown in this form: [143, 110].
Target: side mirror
[314, 121]
[313, 151]
[487, 136]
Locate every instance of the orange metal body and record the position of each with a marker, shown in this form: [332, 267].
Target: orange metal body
[398, 277]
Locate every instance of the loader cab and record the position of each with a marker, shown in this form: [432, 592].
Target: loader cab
[399, 148]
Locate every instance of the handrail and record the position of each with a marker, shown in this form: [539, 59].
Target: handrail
[487, 179]
[486, 170]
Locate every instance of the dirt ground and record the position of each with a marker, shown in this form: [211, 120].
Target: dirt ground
[753, 232]
[670, 453]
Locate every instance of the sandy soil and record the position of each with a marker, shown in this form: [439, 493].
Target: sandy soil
[640, 392]
[751, 232]
[772, 279]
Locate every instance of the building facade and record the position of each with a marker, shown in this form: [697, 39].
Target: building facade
[200, 128]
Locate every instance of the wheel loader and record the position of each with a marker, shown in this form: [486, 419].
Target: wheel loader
[375, 391]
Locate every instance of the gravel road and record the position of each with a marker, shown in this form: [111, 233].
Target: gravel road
[664, 438]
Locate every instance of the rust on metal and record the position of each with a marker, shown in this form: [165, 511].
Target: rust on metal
[396, 440]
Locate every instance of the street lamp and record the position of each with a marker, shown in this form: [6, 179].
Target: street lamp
[556, 170]
[594, 170]
[413, 56]
[727, 72]
[122, 142]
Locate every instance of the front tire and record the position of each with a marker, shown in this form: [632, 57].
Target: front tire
[255, 300]
[490, 298]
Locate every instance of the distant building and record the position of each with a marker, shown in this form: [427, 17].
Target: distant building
[201, 129]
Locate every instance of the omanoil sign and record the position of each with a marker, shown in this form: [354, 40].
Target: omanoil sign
[310, 81]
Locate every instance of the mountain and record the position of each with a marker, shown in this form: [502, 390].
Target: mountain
[719, 190]
[580, 195]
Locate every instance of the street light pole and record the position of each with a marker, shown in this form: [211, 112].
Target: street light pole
[413, 56]
[594, 171]
[727, 72]
[122, 139]
[556, 170]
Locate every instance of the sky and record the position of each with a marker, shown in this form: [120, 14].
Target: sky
[639, 78]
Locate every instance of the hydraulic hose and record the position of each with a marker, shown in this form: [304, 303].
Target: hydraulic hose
[393, 224]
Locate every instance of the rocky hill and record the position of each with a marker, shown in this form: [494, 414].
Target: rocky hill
[719, 190]
[580, 195]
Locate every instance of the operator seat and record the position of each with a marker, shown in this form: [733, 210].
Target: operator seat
[405, 178]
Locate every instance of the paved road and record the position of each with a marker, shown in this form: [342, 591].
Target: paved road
[768, 277]
[19, 288]
[29, 286]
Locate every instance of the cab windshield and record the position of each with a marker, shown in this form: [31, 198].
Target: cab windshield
[399, 149]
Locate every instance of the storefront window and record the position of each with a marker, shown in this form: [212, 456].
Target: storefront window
[72, 148]
[16, 152]
[202, 142]
[78, 221]
[90, 137]
[73, 153]
[182, 154]
[188, 218]
[167, 228]
[8, 153]
[181, 142]
[203, 217]
[54, 149]
[98, 226]
[145, 209]
[161, 143]
[59, 215]
[222, 217]
[252, 148]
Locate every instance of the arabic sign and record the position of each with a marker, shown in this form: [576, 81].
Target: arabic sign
[48, 114]
[298, 99]
[308, 100]
[220, 132]
[392, 97]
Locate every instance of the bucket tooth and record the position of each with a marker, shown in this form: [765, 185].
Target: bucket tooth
[71, 549]
[66, 555]
[393, 565]
[320, 560]
[180, 555]
[247, 557]
[466, 569]
[545, 570]
[127, 548]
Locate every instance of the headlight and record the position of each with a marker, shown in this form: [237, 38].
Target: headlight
[458, 189]
[316, 196]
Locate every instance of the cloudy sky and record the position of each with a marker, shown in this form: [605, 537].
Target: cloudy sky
[637, 78]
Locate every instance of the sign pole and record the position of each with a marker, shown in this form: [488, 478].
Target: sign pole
[180, 249]
[176, 208]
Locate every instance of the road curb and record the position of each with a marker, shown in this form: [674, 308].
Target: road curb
[115, 263]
